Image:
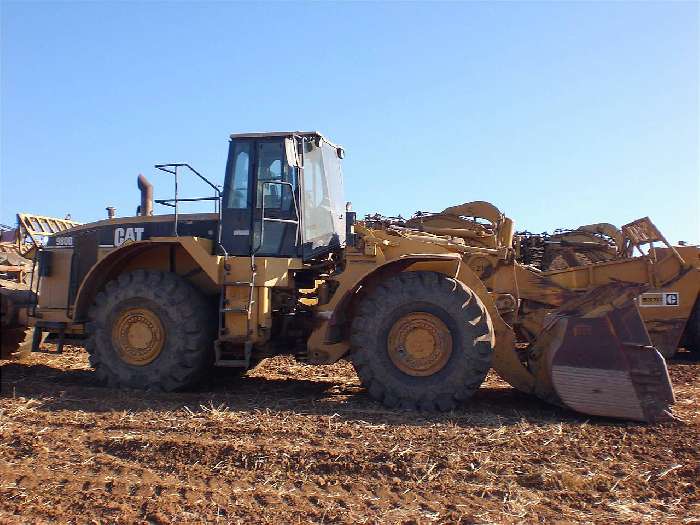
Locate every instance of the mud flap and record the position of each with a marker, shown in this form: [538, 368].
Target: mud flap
[596, 358]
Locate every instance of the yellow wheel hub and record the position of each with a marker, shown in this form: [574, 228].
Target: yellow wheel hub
[138, 336]
[419, 344]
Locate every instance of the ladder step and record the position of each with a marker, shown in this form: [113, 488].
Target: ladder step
[220, 360]
[236, 309]
[232, 363]
[233, 339]
[285, 221]
[51, 352]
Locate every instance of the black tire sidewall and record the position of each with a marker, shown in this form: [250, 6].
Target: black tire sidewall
[448, 300]
[187, 324]
[16, 343]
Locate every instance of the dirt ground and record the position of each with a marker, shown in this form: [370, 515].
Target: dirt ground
[297, 444]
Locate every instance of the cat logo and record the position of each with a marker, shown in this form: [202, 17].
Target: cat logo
[659, 299]
[123, 235]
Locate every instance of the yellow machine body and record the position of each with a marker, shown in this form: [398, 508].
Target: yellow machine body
[422, 308]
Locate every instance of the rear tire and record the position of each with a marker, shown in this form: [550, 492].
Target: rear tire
[16, 343]
[422, 305]
[151, 330]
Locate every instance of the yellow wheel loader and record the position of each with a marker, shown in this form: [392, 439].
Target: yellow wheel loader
[282, 267]
[671, 312]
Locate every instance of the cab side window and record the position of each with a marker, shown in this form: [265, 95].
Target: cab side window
[239, 191]
[271, 166]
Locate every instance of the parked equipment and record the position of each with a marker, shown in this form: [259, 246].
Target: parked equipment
[17, 249]
[423, 311]
[671, 313]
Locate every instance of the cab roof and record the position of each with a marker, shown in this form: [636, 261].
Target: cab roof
[257, 135]
[271, 134]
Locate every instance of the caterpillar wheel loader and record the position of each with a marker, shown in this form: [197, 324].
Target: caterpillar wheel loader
[282, 267]
[671, 313]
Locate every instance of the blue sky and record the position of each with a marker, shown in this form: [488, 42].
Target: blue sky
[559, 113]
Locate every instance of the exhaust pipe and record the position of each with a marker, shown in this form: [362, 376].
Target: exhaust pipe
[146, 207]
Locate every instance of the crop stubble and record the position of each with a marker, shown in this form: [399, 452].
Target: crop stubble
[294, 444]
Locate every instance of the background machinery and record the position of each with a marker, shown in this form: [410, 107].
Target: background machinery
[18, 246]
[423, 309]
[671, 313]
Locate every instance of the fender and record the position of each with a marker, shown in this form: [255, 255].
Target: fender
[506, 361]
[324, 349]
[108, 267]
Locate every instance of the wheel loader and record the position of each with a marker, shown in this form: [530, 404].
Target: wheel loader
[670, 313]
[282, 266]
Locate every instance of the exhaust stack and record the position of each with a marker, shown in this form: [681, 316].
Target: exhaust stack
[146, 207]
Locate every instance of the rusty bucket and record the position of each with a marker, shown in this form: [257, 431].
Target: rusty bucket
[595, 357]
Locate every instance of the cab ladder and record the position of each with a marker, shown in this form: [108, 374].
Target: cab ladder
[223, 357]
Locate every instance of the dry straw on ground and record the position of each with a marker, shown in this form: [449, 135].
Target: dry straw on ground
[298, 444]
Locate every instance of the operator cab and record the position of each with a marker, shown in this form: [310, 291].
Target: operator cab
[283, 195]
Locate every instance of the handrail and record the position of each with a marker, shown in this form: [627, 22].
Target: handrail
[169, 202]
[163, 167]
[173, 169]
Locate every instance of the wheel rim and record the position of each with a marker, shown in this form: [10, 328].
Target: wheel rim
[419, 344]
[138, 336]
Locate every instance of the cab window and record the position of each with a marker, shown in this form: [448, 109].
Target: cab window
[271, 167]
[238, 191]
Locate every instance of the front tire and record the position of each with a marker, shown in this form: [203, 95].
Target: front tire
[151, 330]
[421, 340]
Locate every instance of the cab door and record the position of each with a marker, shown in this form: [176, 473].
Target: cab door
[275, 218]
[237, 209]
[260, 200]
